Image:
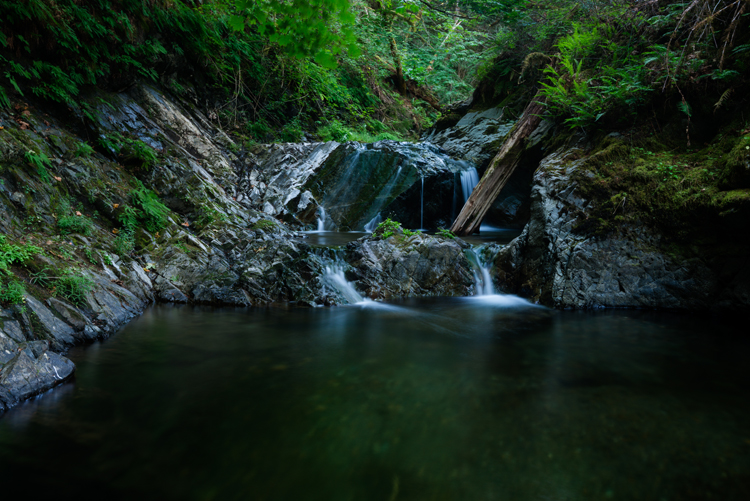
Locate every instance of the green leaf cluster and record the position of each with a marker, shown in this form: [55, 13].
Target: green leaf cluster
[318, 28]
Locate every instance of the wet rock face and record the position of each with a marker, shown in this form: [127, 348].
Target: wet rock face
[353, 182]
[400, 266]
[476, 137]
[554, 264]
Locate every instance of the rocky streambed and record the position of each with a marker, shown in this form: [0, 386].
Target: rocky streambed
[226, 229]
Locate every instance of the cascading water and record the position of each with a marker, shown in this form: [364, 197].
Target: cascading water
[469, 180]
[421, 207]
[374, 222]
[321, 218]
[482, 278]
[334, 277]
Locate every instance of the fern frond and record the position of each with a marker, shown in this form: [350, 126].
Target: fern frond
[723, 99]
[684, 107]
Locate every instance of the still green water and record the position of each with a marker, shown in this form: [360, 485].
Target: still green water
[430, 399]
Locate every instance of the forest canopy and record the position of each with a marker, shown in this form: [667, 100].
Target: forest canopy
[338, 69]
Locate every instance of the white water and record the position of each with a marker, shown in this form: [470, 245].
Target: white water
[321, 218]
[374, 222]
[334, 276]
[421, 208]
[469, 180]
[482, 278]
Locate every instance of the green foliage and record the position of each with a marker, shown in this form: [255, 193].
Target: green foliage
[209, 215]
[41, 161]
[12, 253]
[83, 150]
[132, 151]
[69, 284]
[153, 213]
[73, 286]
[11, 291]
[318, 28]
[75, 224]
[146, 209]
[336, 131]
[124, 244]
[584, 96]
[446, 233]
[387, 229]
[265, 225]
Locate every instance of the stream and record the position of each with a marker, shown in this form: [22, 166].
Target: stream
[486, 397]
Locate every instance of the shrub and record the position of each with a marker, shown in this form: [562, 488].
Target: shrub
[10, 254]
[387, 229]
[75, 224]
[83, 150]
[73, 286]
[11, 291]
[41, 162]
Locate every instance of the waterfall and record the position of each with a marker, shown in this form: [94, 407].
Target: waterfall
[469, 179]
[321, 218]
[334, 276]
[482, 277]
[421, 207]
[374, 222]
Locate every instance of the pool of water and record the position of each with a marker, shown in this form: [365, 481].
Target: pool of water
[486, 398]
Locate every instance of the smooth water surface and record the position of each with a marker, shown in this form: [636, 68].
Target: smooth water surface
[484, 398]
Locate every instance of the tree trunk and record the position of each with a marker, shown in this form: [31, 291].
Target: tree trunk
[499, 170]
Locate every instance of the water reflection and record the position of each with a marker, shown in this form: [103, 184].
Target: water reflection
[420, 399]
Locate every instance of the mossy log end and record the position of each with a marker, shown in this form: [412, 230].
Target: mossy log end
[499, 171]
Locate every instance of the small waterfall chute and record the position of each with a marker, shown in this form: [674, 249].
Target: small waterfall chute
[321, 218]
[469, 180]
[483, 284]
[333, 276]
[374, 222]
[421, 207]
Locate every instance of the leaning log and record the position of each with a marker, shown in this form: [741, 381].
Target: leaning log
[499, 171]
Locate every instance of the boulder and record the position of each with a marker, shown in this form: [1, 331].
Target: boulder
[401, 266]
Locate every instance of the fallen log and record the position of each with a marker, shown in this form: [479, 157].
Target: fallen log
[499, 171]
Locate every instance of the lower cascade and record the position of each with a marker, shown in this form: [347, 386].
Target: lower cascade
[482, 278]
[333, 276]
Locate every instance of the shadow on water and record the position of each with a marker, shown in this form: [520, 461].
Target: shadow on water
[433, 398]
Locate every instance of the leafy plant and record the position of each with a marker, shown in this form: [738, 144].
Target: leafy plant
[124, 243]
[75, 224]
[265, 224]
[11, 254]
[73, 286]
[69, 284]
[387, 229]
[153, 213]
[41, 161]
[83, 150]
[11, 291]
[446, 233]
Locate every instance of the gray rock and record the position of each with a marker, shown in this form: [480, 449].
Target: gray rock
[43, 324]
[475, 138]
[12, 328]
[553, 264]
[31, 371]
[420, 265]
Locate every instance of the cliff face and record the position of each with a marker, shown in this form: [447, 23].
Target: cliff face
[558, 262]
